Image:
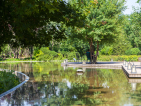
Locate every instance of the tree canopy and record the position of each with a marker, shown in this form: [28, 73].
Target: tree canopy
[27, 22]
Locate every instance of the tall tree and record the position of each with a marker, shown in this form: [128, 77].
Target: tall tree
[101, 24]
[133, 29]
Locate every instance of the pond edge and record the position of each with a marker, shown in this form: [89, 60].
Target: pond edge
[14, 88]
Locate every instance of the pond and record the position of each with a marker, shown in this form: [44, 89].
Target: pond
[53, 85]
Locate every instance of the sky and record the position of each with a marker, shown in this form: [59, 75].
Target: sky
[129, 4]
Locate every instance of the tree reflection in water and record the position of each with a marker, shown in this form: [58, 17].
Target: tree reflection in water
[50, 85]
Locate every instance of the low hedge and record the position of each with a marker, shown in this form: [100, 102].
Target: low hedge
[7, 81]
[118, 58]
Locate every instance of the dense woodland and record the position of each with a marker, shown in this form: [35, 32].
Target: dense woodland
[56, 30]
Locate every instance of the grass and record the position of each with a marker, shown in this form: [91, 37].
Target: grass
[15, 59]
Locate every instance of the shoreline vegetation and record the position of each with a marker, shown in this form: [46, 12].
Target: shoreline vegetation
[44, 54]
[8, 81]
[100, 58]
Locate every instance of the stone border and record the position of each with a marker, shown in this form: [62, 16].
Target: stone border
[18, 74]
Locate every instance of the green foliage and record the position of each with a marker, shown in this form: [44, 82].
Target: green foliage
[133, 51]
[106, 50]
[44, 54]
[7, 81]
[121, 45]
[132, 28]
[14, 59]
[128, 52]
[1, 59]
[102, 23]
[71, 55]
[45, 57]
[118, 58]
[27, 22]
[5, 50]
[59, 56]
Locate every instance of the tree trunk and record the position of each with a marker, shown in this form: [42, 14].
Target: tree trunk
[90, 43]
[97, 51]
[92, 51]
[52, 44]
[17, 52]
[21, 53]
[31, 52]
[14, 52]
[92, 55]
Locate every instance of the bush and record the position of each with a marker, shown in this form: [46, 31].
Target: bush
[59, 56]
[1, 59]
[71, 55]
[106, 50]
[118, 58]
[45, 54]
[128, 52]
[104, 58]
[133, 51]
[45, 57]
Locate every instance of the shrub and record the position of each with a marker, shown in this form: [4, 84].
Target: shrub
[128, 52]
[106, 50]
[53, 53]
[45, 57]
[71, 55]
[59, 57]
[1, 59]
[118, 58]
[45, 54]
[133, 51]
[104, 58]
[37, 52]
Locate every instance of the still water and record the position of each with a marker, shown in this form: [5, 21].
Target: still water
[53, 85]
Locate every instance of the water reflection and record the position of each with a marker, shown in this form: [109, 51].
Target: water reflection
[52, 85]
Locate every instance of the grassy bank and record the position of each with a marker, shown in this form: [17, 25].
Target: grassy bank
[15, 59]
[100, 58]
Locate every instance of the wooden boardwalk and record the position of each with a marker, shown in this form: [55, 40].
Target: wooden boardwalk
[109, 65]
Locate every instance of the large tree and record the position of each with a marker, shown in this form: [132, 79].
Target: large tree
[102, 24]
[26, 22]
[133, 29]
